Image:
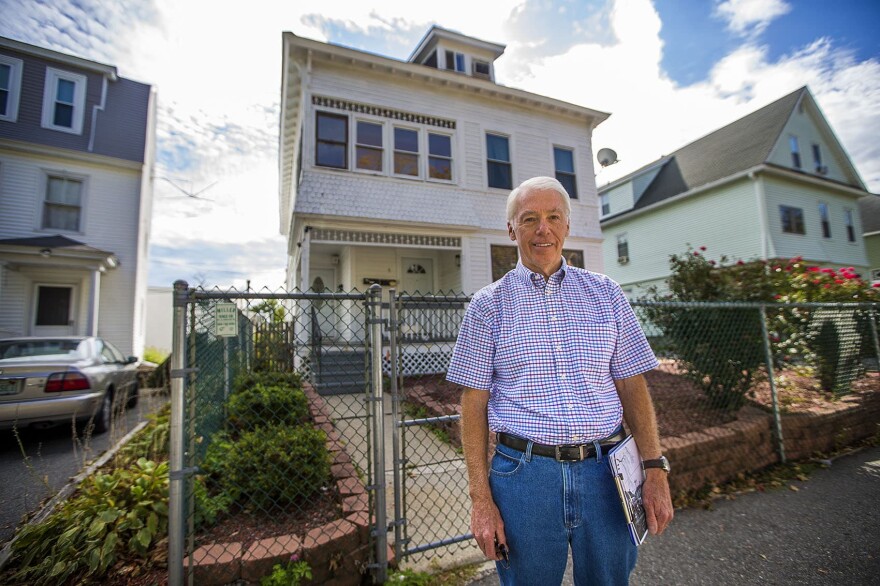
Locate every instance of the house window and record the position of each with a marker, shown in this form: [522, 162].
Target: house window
[455, 61]
[574, 258]
[439, 156]
[481, 68]
[62, 207]
[795, 152]
[368, 149]
[824, 218]
[406, 152]
[850, 225]
[332, 140]
[792, 220]
[53, 306]
[10, 87]
[622, 249]
[64, 101]
[498, 162]
[817, 159]
[604, 200]
[563, 159]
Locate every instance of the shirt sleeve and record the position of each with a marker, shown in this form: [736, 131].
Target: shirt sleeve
[474, 354]
[632, 354]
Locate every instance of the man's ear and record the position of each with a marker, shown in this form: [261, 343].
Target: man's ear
[510, 232]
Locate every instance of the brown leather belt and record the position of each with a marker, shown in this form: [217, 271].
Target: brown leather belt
[564, 453]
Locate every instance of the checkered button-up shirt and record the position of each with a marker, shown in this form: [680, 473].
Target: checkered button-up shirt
[549, 351]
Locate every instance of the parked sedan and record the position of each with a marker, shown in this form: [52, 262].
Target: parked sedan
[45, 381]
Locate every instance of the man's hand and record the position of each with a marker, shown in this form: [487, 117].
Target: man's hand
[657, 500]
[488, 528]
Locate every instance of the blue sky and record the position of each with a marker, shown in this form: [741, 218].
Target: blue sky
[669, 71]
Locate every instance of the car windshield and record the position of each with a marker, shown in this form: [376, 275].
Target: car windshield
[28, 348]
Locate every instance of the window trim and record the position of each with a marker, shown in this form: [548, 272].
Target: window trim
[509, 162]
[49, 174]
[825, 219]
[782, 220]
[346, 143]
[604, 202]
[849, 219]
[394, 151]
[15, 65]
[622, 247]
[382, 149]
[429, 156]
[572, 174]
[50, 92]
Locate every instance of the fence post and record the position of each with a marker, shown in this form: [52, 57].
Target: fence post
[395, 418]
[777, 420]
[873, 321]
[176, 532]
[378, 411]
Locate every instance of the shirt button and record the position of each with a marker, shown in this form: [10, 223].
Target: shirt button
[559, 346]
[562, 376]
[570, 406]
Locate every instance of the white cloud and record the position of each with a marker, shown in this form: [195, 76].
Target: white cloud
[751, 17]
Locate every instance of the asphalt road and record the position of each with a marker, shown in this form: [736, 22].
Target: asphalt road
[825, 532]
[53, 457]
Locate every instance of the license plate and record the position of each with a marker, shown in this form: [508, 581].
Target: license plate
[9, 387]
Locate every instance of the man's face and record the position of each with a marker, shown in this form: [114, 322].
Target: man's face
[539, 228]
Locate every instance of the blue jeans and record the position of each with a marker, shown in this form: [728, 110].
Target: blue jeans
[549, 506]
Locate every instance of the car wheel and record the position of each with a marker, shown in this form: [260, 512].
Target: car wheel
[133, 394]
[105, 413]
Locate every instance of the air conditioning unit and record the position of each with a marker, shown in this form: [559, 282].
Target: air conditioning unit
[622, 260]
[822, 170]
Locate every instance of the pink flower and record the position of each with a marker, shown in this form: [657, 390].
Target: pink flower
[777, 296]
[816, 281]
[876, 285]
[740, 263]
[712, 262]
[839, 281]
[813, 269]
[827, 285]
[703, 248]
[696, 253]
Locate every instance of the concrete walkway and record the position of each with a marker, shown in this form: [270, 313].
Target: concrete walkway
[823, 531]
[436, 498]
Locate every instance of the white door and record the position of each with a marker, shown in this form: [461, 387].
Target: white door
[54, 310]
[326, 312]
[417, 275]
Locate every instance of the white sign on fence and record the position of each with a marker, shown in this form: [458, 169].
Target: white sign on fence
[225, 320]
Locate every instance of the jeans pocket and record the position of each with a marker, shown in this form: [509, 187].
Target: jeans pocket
[505, 464]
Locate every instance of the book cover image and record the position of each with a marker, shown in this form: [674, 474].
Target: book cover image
[626, 466]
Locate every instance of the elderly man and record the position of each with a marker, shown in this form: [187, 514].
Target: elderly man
[551, 359]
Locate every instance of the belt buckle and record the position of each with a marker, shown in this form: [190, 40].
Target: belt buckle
[580, 457]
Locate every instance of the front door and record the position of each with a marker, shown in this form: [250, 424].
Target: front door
[418, 275]
[54, 310]
[325, 311]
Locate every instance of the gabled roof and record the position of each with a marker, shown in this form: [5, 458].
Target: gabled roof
[734, 149]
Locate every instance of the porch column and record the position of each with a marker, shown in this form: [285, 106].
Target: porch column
[94, 303]
[304, 258]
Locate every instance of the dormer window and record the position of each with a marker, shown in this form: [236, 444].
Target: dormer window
[431, 61]
[64, 101]
[481, 69]
[455, 61]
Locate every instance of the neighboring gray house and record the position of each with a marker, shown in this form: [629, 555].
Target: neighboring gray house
[397, 172]
[76, 155]
[869, 208]
[774, 184]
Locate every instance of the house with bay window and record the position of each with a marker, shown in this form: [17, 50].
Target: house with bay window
[397, 172]
[775, 184]
[76, 153]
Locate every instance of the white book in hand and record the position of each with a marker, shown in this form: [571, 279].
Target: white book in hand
[626, 466]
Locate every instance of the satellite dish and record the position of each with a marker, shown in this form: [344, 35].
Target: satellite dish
[606, 157]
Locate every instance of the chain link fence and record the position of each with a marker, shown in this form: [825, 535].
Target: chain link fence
[292, 445]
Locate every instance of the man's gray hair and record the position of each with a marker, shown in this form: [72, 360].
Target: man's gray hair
[537, 184]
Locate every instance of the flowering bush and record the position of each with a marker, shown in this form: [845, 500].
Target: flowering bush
[723, 348]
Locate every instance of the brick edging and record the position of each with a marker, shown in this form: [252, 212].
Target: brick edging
[337, 551]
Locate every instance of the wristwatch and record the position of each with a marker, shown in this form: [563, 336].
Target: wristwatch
[660, 462]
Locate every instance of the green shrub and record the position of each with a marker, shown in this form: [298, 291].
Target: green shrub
[261, 405]
[151, 442]
[291, 574]
[114, 515]
[280, 379]
[273, 466]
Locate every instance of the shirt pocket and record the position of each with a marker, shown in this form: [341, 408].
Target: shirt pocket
[594, 344]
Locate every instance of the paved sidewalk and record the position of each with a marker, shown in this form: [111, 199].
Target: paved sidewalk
[825, 532]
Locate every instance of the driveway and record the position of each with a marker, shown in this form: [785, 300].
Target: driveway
[36, 464]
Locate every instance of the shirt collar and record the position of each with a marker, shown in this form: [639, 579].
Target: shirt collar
[537, 279]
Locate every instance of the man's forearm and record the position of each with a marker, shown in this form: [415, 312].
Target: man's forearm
[475, 441]
[638, 411]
